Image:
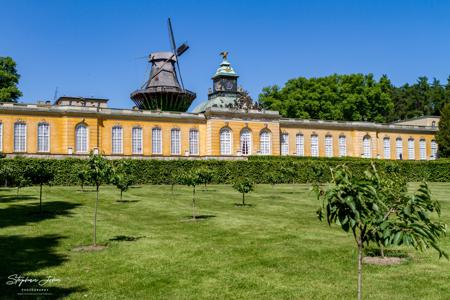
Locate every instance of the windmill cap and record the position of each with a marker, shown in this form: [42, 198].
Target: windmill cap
[162, 56]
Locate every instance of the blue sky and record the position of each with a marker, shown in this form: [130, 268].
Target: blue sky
[93, 48]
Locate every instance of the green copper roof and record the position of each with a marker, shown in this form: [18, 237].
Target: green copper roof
[225, 69]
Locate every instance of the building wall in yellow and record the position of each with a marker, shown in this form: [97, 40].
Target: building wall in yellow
[100, 121]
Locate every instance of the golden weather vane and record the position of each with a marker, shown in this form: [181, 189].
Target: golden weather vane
[224, 54]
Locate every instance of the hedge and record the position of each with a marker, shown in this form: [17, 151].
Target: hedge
[261, 169]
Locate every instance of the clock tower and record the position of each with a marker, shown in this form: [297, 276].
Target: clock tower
[224, 80]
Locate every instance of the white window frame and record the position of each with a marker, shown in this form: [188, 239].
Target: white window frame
[411, 149]
[284, 143]
[226, 141]
[434, 149]
[43, 137]
[157, 140]
[1, 136]
[399, 148]
[246, 142]
[175, 141]
[328, 146]
[265, 142]
[423, 149]
[20, 138]
[314, 145]
[117, 139]
[300, 144]
[387, 148]
[367, 147]
[193, 142]
[137, 140]
[342, 146]
[81, 141]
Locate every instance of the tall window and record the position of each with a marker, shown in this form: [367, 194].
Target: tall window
[314, 145]
[265, 143]
[193, 142]
[284, 144]
[300, 144]
[225, 141]
[387, 148]
[342, 146]
[20, 137]
[175, 141]
[423, 149]
[156, 141]
[81, 138]
[434, 149]
[1, 136]
[411, 150]
[246, 142]
[367, 147]
[117, 140]
[328, 146]
[399, 148]
[43, 137]
[136, 140]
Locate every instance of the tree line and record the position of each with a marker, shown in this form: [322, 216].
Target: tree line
[356, 97]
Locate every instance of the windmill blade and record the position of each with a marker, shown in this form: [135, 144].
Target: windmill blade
[171, 37]
[176, 51]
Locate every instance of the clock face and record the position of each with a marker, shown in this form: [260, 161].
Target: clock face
[225, 85]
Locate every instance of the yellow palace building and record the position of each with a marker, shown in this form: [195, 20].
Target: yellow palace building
[220, 127]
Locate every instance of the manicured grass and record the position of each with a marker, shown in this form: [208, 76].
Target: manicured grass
[274, 249]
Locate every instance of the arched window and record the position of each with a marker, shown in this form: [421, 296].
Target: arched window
[342, 146]
[265, 143]
[246, 141]
[300, 144]
[156, 141]
[117, 140]
[423, 149]
[225, 141]
[387, 148]
[136, 140]
[434, 149]
[81, 139]
[328, 146]
[314, 145]
[20, 137]
[284, 144]
[399, 148]
[411, 150]
[1, 136]
[43, 137]
[367, 147]
[175, 141]
[193, 142]
[433, 124]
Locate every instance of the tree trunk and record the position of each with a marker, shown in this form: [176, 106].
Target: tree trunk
[172, 188]
[243, 199]
[95, 219]
[193, 203]
[40, 199]
[121, 192]
[18, 187]
[382, 251]
[82, 186]
[360, 248]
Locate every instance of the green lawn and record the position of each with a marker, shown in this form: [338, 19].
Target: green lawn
[274, 249]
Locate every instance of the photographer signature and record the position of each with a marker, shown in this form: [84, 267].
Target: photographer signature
[16, 279]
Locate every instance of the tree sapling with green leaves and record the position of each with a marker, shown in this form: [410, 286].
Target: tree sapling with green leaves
[192, 178]
[39, 174]
[122, 177]
[244, 185]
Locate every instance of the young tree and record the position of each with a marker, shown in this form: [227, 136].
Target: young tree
[9, 92]
[122, 177]
[100, 172]
[443, 135]
[244, 185]
[39, 174]
[7, 174]
[192, 178]
[364, 207]
[83, 177]
[206, 176]
[174, 179]
[272, 178]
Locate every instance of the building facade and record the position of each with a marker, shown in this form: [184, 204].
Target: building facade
[75, 127]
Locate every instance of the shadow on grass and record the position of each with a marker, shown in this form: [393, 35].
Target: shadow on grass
[21, 255]
[127, 201]
[15, 215]
[126, 238]
[12, 198]
[374, 252]
[86, 190]
[243, 205]
[198, 217]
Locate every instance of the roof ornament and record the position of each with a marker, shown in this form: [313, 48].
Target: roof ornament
[224, 55]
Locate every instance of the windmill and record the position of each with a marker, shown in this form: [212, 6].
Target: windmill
[164, 90]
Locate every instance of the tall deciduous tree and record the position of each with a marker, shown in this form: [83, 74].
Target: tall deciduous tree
[100, 172]
[443, 135]
[9, 78]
